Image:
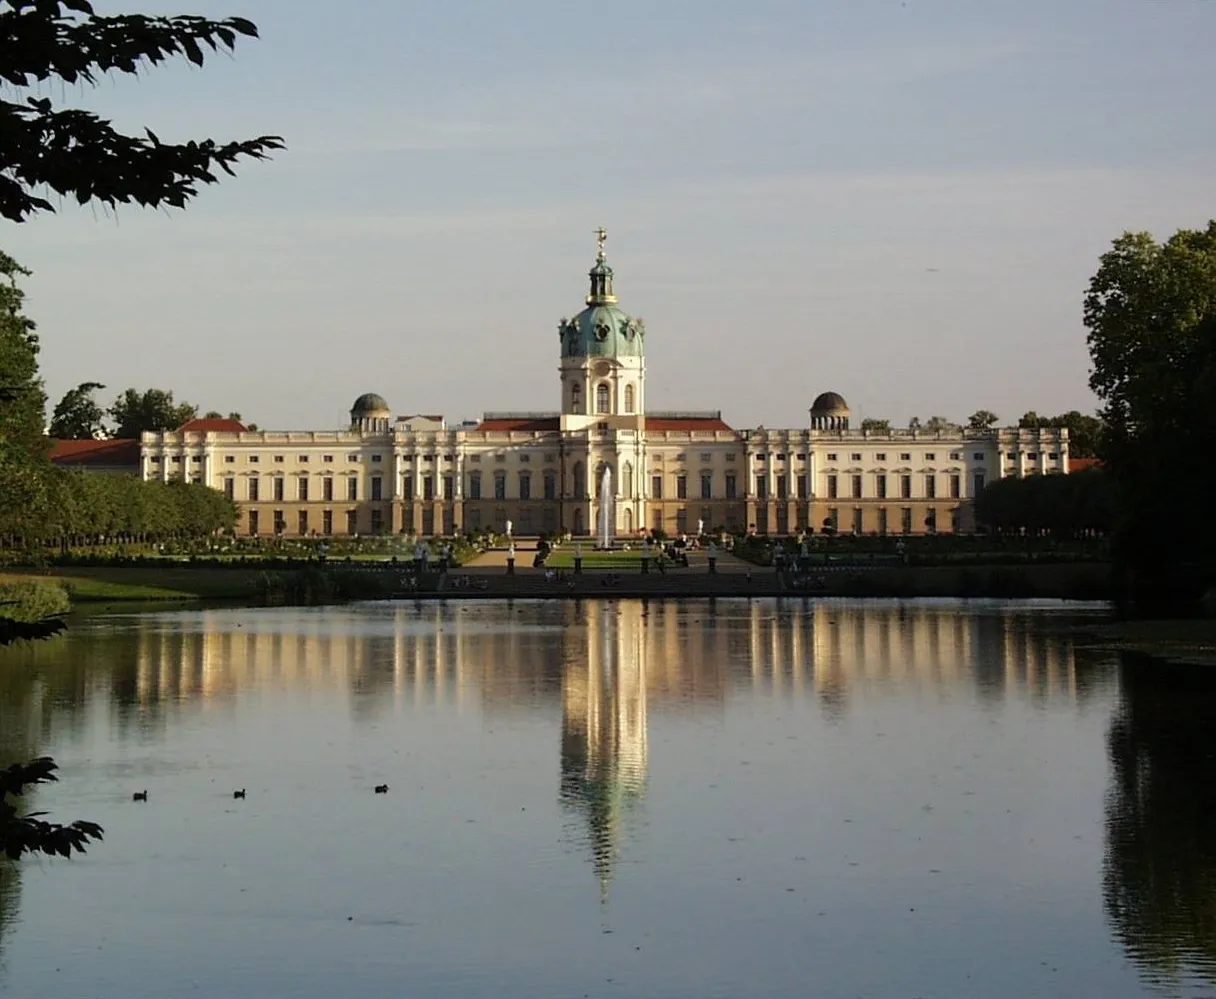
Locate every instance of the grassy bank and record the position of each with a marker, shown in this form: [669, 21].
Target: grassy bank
[1185, 641]
[172, 582]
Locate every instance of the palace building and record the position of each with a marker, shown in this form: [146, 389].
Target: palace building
[603, 450]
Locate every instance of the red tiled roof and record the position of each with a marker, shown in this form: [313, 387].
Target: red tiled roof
[222, 425]
[684, 424]
[521, 424]
[119, 451]
[1080, 464]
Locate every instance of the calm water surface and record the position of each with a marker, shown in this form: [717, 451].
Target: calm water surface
[619, 799]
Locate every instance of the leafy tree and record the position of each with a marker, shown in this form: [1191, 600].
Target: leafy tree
[1084, 432]
[1151, 315]
[914, 423]
[134, 412]
[876, 426]
[1064, 506]
[982, 419]
[23, 447]
[939, 423]
[1031, 420]
[53, 47]
[30, 833]
[213, 414]
[77, 417]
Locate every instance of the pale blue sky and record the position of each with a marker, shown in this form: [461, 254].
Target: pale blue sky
[899, 202]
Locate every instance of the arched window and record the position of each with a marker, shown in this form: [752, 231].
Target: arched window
[576, 398]
[627, 480]
[629, 399]
[602, 397]
[580, 480]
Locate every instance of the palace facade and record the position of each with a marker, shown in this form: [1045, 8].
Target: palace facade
[556, 471]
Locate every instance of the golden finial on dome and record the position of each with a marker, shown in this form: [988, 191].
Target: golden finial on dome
[601, 237]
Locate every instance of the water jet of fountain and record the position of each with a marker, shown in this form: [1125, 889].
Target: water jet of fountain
[606, 531]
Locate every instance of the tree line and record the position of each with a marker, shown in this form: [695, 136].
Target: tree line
[79, 417]
[1084, 431]
[1079, 505]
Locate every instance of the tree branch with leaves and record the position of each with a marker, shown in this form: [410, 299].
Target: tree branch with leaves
[75, 153]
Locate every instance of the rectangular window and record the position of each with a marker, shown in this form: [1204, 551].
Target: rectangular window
[302, 489]
[857, 487]
[278, 459]
[428, 487]
[857, 522]
[905, 520]
[253, 459]
[905, 486]
[327, 489]
[352, 522]
[656, 487]
[707, 485]
[882, 520]
[931, 486]
[352, 488]
[377, 521]
[475, 486]
[327, 459]
[707, 456]
[449, 487]
[931, 456]
[977, 483]
[303, 459]
[832, 487]
[955, 487]
[762, 487]
[302, 523]
[350, 458]
[978, 456]
[783, 486]
[880, 486]
[253, 489]
[253, 523]
[833, 519]
[327, 522]
[407, 486]
[500, 485]
[377, 487]
[831, 457]
[230, 487]
[855, 456]
[881, 456]
[956, 455]
[802, 486]
[550, 485]
[229, 459]
[376, 458]
[278, 490]
[525, 486]
[280, 522]
[524, 459]
[905, 456]
[681, 487]
[732, 488]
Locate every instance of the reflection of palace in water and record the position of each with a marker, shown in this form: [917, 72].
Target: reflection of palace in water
[606, 663]
[689, 654]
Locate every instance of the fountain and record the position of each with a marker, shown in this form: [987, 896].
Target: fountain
[606, 531]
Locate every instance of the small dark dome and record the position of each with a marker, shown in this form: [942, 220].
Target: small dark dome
[830, 402]
[369, 404]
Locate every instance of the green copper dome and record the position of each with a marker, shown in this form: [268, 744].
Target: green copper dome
[602, 329]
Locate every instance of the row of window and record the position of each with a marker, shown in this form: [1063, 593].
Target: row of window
[928, 489]
[303, 526]
[882, 523]
[303, 490]
[603, 398]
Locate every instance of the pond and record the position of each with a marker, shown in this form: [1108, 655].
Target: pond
[602, 798]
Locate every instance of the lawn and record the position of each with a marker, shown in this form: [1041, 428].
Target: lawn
[625, 561]
[171, 582]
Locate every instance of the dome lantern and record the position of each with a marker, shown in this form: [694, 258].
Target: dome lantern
[370, 414]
